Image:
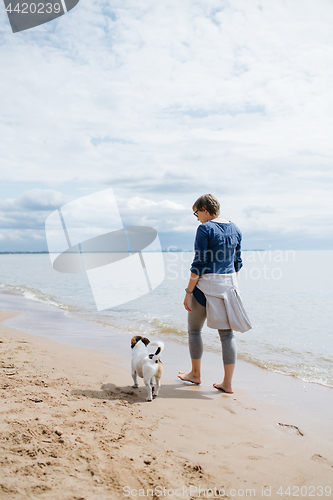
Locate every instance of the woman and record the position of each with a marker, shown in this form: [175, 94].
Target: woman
[212, 291]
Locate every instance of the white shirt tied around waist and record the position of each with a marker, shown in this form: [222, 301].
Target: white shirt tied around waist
[224, 304]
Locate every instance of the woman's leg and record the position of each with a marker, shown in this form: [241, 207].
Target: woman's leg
[196, 320]
[229, 354]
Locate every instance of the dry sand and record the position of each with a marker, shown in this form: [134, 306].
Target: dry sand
[73, 428]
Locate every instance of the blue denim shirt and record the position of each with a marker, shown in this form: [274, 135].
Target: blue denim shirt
[217, 250]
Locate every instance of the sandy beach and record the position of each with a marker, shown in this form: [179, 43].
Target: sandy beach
[72, 427]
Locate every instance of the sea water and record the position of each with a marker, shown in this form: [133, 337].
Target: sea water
[288, 302]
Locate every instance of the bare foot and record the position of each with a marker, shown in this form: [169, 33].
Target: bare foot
[189, 377]
[220, 387]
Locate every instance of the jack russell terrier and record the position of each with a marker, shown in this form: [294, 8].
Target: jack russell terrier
[147, 366]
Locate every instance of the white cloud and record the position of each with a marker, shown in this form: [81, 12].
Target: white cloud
[165, 100]
[23, 218]
[35, 199]
[137, 203]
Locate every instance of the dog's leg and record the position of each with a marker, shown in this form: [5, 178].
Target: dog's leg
[150, 390]
[135, 378]
[157, 386]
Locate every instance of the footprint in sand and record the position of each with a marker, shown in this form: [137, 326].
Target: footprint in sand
[230, 410]
[321, 459]
[252, 445]
[244, 407]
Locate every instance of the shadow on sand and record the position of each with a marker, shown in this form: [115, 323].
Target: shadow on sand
[111, 392]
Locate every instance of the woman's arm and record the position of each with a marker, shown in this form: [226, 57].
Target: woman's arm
[238, 263]
[200, 251]
[192, 282]
[190, 287]
[199, 262]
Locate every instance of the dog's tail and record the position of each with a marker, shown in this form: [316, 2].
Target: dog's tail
[160, 348]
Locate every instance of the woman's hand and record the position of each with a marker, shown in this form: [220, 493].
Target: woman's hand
[187, 301]
[191, 284]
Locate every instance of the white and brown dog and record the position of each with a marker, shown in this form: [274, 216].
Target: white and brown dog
[147, 366]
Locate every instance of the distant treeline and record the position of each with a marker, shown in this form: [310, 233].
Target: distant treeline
[106, 251]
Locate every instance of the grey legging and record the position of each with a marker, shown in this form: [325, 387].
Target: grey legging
[196, 320]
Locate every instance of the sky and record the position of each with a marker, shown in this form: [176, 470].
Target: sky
[164, 102]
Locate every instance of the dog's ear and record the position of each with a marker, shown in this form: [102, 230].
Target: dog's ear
[134, 341]
[145, 341]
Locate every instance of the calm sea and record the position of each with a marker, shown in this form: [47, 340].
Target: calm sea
[290, 307]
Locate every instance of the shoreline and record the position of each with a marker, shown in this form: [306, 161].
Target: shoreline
[71, 416]
[299, 345]
[41, 306]
[309, 401]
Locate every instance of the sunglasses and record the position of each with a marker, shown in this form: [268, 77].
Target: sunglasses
[196, 213]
